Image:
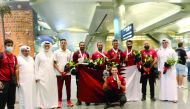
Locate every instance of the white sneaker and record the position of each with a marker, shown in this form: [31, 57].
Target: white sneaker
[179, 87]
[184, 87]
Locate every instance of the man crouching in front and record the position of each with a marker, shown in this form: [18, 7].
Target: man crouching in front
[114, 88]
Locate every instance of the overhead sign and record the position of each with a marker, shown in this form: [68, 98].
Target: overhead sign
[127, 32]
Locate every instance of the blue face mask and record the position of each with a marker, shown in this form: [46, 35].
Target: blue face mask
[9, 49]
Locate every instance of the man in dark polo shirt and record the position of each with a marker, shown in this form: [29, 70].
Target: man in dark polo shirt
[8, 65]
[114, 88]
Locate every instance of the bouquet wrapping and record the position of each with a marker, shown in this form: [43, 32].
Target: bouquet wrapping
[137, 55]
[70, 67]
[147, 64]
[167, 65]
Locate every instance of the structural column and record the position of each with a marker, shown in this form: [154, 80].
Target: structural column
[119, 18]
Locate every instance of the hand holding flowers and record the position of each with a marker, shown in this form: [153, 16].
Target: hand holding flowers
[169, 62]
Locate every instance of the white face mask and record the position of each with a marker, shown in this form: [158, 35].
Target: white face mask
[9, 49]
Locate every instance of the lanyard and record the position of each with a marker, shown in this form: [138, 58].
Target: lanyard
[146, 53]
[102, 54]
[82, 55]
[115, 50]
[128, 53]
[116, 79]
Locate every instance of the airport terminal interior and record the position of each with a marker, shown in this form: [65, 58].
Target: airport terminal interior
[30, 22]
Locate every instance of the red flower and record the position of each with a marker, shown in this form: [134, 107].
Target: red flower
[146, 71]
[166, 67]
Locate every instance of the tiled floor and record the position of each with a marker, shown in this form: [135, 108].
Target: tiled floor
[183, 103]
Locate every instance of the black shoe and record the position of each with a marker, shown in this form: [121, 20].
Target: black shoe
[78, 103]
[87, 103]
[122, 104]
[153, 99]
[143, 98]
[175, 101]
[107, 105]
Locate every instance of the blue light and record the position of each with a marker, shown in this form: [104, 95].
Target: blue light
[116, 28]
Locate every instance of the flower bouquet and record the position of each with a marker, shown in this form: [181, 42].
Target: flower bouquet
[169, 62]
[137, 55]
[89, 62]
[70, 67]
[99, 63]
[110, 64]
[147, 64]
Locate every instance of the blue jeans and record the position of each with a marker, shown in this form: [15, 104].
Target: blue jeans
[188, 74]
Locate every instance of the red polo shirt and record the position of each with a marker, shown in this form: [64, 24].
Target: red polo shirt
[112, 84]
[97, 55]
[130, 57]
[77, 55]
[111, 53]
[4, 68]
[149, 53]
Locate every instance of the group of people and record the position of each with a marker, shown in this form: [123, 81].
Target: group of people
[40, 81]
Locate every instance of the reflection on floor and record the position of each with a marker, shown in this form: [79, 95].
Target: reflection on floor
[183, 102]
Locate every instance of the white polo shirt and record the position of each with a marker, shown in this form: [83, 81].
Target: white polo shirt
[62, 58]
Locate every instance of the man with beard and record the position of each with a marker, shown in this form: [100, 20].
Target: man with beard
[99, 53]
[115, 54]
[79, 57]
[131, 73]
[149, 59]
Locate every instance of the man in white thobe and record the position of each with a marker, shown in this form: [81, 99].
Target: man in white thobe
[168, 82]
[27, 83]
[47, 96]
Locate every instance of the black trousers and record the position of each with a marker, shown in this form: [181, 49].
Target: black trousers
[77, 79]
[7, 95]
[112, 96]
[151, 79]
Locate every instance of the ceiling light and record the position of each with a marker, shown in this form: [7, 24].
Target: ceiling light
[146, 7]
[183, 22]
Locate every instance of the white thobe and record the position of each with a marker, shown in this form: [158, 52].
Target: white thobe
[27, 89]
[133, 87]
[168, 82]
[47, 94]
